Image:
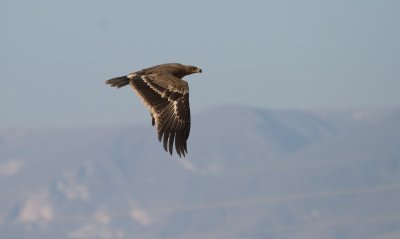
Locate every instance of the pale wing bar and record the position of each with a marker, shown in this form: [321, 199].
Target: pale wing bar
[169, 109]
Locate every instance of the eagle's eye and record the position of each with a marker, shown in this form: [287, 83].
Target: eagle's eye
[194, 68]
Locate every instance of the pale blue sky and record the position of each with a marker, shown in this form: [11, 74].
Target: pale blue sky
[56, 55]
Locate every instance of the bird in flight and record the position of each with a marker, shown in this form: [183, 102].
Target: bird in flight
[166, 95]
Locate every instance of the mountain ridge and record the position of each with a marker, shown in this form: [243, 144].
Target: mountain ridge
[250, 173]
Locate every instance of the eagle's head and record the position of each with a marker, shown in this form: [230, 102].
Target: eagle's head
[193, 69]
[179, 70]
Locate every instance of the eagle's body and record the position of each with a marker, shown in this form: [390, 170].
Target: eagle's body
[166, 96]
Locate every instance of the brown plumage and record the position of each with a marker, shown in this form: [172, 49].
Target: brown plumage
[166, 95]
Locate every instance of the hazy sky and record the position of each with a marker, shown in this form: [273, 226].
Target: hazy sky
[56, 55]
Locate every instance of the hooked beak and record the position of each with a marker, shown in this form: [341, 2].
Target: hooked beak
[199, 70]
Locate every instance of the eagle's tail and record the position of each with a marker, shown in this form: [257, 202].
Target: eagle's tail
[118, 81]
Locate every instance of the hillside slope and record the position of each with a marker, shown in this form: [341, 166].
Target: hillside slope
[250, 173]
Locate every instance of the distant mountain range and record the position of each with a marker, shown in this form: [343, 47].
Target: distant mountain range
[250, 173]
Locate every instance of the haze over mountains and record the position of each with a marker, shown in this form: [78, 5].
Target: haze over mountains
[250, 173]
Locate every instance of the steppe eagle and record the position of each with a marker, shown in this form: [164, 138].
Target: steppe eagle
[166, 95]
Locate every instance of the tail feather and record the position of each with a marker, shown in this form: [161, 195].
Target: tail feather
[118, 81]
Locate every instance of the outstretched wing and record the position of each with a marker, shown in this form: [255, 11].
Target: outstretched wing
[167, 98]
